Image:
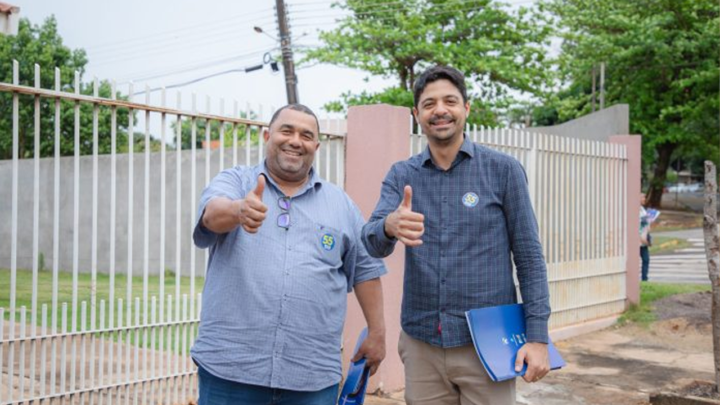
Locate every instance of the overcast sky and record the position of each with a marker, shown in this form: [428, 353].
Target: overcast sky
[147, 41]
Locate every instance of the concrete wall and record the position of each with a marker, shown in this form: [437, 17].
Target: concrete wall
[65, 257]
[598, 126]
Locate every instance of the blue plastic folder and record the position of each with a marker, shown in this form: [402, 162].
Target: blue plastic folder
[353, 391]
[498, 333]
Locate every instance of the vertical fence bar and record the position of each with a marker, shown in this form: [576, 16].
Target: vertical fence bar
[136, 363]
[14, 227]
[155, 386]
[21, 357]
[131, 193]
[261, 139]
[56, 233]
[146, 215]
[178, 213]
[221, 125]
[63, 349]
[101, 360]
[193, 185]
[43, 350]
[236, 114]
[161, 268]
[168, 352]
[207, 181]
[36, 232]
[248, 132]
[83, 347]
[178, 201]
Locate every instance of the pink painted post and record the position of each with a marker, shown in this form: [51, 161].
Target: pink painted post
[633, 145]
[377, 137]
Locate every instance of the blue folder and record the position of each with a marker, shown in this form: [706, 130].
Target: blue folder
[353, 392]
[498, 333]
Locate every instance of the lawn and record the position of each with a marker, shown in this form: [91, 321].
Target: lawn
[45, 280]
[643, 313]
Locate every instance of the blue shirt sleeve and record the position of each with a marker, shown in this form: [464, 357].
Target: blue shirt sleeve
[228, 184]
[377, 243]
[358, 265]
[527, 253]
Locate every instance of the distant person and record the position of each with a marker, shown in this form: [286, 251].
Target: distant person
[285, 249]
[645, 238]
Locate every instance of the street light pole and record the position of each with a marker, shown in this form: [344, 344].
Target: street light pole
[287, 53]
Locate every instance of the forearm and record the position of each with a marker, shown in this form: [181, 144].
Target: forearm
[221, 215]
[376, 241]
[370, 297]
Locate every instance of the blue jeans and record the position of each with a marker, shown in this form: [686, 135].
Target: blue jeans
[645, 257]
[217, 391]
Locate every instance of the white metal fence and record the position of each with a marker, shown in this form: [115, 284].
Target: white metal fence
[578, 192]
[110, 334]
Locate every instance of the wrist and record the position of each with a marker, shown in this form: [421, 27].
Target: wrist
[387, 227]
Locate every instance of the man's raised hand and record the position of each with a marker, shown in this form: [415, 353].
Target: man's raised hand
[404, 224]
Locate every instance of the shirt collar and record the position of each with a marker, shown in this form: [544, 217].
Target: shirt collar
[313, 182]
[467, 148]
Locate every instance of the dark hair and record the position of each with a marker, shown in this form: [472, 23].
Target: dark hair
[295, 107]
[439, 73]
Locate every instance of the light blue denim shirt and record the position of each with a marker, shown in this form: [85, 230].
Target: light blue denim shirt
[274, 302]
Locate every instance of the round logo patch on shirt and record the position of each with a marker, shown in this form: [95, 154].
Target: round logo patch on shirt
[328, 241]
[470, 200]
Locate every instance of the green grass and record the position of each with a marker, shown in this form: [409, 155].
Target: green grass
[65, 282]
[666, 244]
[644, 313]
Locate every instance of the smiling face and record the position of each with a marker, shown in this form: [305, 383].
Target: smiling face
[291, 143]
[441, 112]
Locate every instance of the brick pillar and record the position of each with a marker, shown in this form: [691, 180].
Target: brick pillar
[377, 137]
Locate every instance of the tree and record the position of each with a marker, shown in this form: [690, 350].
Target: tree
[42, 45]
[201, 130]
[661, 59]
[499, 50]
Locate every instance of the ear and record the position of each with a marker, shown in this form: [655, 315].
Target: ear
[415, 113]
[467, 109]
[266, 134]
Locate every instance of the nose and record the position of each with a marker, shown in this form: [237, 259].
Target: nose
[440, 109]
[295, 140]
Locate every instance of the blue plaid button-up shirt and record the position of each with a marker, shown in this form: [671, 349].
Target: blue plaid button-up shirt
[274, 302]
[478, 217]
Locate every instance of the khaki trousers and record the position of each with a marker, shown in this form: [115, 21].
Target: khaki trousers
[453, 376]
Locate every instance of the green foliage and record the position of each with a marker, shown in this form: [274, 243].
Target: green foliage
[643, 313]
[42, 45]
[499, 50]
[661, 59]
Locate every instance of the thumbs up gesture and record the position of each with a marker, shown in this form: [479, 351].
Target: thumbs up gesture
[404, 224]
[252, 210]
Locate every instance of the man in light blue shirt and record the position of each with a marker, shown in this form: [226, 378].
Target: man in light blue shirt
[285, 249]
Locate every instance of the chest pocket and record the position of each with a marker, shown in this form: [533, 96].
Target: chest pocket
[328, 245]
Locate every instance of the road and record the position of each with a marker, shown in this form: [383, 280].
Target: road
[687, 265]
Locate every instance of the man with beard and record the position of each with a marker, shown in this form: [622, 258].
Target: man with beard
[285, 249]
[463, 212]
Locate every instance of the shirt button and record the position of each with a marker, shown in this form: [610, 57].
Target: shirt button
[442, 310]
[442, 281]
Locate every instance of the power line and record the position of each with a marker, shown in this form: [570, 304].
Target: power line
[165, 49]
[189, 67]
[143, 38]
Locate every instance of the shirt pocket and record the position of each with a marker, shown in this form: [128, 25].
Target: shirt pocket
[328, 245]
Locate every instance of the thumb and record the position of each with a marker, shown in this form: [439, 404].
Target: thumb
[260, 187]
[519, 361]
[407, 198]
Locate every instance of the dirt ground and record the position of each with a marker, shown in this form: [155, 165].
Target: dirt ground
[622, 365]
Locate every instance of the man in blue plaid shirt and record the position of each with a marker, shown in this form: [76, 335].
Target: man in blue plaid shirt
[464, 213]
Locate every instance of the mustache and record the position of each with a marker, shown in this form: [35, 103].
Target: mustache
[435, 118]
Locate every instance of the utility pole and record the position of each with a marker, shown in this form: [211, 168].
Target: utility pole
[287, 53]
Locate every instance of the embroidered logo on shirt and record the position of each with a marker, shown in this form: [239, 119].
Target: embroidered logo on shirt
[328, 241]
[470, 200]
